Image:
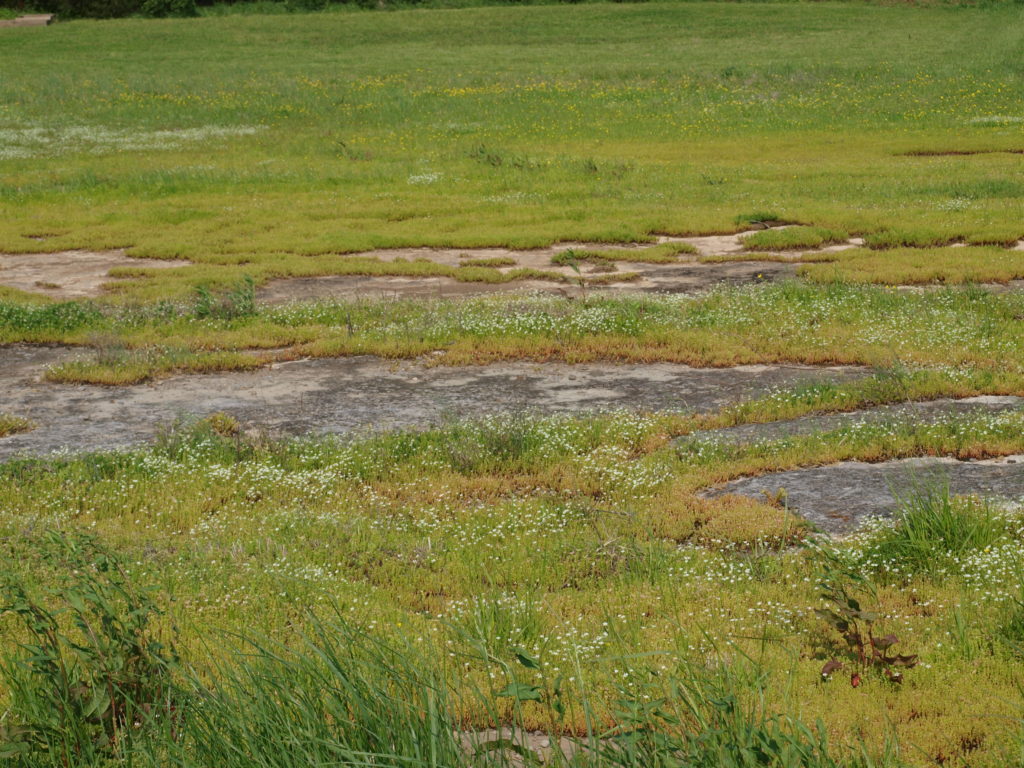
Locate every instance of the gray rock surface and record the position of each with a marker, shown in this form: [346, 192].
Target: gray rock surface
[344, 394]
[838, 497]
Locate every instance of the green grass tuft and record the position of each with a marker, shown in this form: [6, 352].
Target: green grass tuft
[792, 238]
[666, 253]
[933, 531]
[496, 261]
[918, 266]
[12, 425]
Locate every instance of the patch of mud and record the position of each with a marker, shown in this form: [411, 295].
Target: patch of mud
[69, 274]
[346, 394]
[922, 412]
[696, 277]
[838, 497]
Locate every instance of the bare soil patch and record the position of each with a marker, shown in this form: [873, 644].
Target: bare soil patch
[82, 273]
[69, 274]
[337, 395]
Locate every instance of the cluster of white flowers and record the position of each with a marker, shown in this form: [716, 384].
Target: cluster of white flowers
[57, 140]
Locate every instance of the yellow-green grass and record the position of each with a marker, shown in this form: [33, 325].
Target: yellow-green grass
[514, 136]
[280, 147]
[278, 266]
[918, 266]
[141, 283]
[494, 261]
[609, 277]
[788, 322]
[12, 425]
[576, 541]
[8, 293]
[123, 368]
[791, 238]
[778, 258]
[664, 253]
[950, 265]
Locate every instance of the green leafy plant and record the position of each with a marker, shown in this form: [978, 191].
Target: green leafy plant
[92, 673]
[840, 587]
[238, 301]
[306, 5]
[97, 9]
[933, 529]
[571, 260]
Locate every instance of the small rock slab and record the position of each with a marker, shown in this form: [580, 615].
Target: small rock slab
[838, 497]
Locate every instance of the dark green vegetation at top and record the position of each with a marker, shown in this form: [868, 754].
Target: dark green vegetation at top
[103, 9]
[109, 9]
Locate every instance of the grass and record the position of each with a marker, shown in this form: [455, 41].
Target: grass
[342, 695]
[496, 261]
[665, 253]
[577, 542]
[713, 129]
[790, 238]
[919, 266]
[12, 425]
[381, 598]
[933, 532]
[761, 323]
[941, 265]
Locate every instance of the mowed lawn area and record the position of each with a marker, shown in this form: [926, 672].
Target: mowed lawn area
[224, 596]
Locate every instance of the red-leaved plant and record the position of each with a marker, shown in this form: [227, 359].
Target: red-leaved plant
[856, 626]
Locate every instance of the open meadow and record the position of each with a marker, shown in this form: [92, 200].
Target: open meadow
[584, 385]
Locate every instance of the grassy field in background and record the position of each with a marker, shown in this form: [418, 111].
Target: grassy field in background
[239, 142]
